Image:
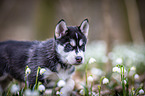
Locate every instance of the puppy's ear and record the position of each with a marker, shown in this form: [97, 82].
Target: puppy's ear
[84, 27]
[60, 29]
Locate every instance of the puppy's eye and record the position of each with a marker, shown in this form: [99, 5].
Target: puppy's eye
[69, 47]
[82, 47]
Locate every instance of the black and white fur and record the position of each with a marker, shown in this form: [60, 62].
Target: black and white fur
[58, 56]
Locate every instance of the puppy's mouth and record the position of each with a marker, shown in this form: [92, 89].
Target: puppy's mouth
[76, 64]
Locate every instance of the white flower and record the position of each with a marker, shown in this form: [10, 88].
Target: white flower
[119, 61]
[28, 71]
[92, 60]
[141, 91]
[15, 88]
[41, 88]
[35, 93]
[90, 79]
[132, 71]
[42, 70]
[48, 91]
[132, 68]
[28, 92]
[61, 83]
[136, 76]
[82, 92]
[105, 81]
[125, 82]
[57, 93]
[116, 69]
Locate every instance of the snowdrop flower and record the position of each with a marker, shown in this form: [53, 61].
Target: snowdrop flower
[28, 71]
[48, 91]
[15, 88]
[41, 88]
[119, 60]
[28, 92]
[116, 69]
[61, 83]
[82, 92]
[141, 91]
[92, 60]
[42, 70]
[105, 81]
[132, 71]
[125, 82]
[57, 93]
[132, 68]
[90, 79]
[136, 76]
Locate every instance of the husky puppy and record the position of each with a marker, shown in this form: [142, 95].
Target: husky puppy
[58, 56]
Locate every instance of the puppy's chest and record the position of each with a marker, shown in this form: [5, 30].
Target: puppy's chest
[62, 73]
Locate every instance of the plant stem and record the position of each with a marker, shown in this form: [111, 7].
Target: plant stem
[86, 74]
[36, 82]
[25, 78]
[53, 90]
[91, 87]
[122, 80]
[87, 91]
[99, 88]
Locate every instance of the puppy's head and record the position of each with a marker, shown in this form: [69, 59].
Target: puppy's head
[71, 42]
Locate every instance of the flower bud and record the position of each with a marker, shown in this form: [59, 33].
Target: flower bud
[41, 88]
[92, 60]
[141, 91]
[28, 71]
[90, 79]
[61, 83]
[42, 71]
[105, 81]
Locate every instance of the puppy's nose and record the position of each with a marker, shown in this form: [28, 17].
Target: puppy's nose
[79, 59]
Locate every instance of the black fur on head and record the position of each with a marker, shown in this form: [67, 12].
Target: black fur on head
[71, 39]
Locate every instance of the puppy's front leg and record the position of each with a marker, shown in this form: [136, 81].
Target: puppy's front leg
[68, 88]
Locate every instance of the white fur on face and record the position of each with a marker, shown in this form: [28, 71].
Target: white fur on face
[81, 42]
[72, 42]
[69, 57]
[81, 53]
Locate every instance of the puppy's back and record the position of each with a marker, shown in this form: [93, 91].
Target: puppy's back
[13, 57]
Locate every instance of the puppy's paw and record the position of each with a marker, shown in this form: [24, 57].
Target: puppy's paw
[68, 88]
[64, 92]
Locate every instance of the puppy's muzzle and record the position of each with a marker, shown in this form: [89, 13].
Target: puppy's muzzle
[79, 59]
